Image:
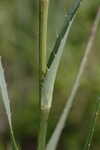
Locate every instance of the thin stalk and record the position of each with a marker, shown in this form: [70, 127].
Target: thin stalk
[92, 126]
[43, 19]
[58, 130]
[43, 130]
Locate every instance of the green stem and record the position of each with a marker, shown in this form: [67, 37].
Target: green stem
[43, 18]
[92, 126]
[43, 130]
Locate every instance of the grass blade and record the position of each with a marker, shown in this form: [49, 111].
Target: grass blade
[54, 60]
[92, 126]
[62, 37]
[58, 130]
[6, 102]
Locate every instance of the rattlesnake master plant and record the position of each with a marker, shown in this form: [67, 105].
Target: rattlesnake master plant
[47, 76]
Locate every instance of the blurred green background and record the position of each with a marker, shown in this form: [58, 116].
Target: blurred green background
[19, 51]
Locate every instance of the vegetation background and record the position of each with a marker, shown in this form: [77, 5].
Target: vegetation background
[19, 51]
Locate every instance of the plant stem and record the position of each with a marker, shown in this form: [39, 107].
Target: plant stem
[43, 18]
[43, 130]
[92, 126]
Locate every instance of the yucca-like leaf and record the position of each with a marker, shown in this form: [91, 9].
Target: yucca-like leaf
[55, 57]
[6, 102]
[92, 125]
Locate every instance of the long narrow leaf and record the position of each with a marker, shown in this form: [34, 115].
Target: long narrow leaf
[5, 98]
[58, 130]
[54, 60]
[63, 34]
[92, 126]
